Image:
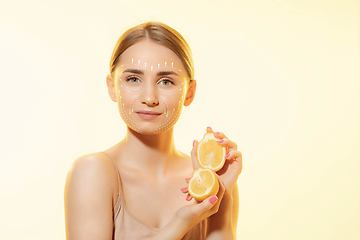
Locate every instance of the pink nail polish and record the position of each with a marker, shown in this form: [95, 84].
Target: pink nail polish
[213, 199]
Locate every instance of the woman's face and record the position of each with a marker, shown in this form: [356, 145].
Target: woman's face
[150, 77]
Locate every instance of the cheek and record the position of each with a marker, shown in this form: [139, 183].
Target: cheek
[126, 96]
[174, 98]
[173, 101]
[176, 103]
[173, 107]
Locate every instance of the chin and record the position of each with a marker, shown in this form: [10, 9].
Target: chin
[150, 129]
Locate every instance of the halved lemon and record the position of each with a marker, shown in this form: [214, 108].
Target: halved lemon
[210, 154]
[203, 184]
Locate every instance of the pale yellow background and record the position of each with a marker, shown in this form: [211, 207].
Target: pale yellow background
[281, 78]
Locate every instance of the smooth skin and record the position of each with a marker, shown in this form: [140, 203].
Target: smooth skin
[151, 168]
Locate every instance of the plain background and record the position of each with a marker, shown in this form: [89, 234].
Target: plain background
[280, 78]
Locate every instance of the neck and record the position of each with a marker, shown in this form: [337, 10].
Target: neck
[155, 153]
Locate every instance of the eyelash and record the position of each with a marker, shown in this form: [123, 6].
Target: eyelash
[132, 77]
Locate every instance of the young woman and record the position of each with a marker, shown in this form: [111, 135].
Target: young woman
[135, 189]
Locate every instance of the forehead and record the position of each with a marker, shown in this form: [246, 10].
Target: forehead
[148, 53]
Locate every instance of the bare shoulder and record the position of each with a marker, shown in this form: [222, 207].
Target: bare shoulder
[95, 169]
[92, 163]
[88, 198]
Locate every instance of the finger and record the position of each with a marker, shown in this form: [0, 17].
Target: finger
[194, 155]
[219, 135]
[188, 197]
[184, 189]
[209, 130]
[227, 142]
[206, 204]
[197, 209]
[234, 155]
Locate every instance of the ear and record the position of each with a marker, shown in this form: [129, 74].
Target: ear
[190, 93]
[111, 87]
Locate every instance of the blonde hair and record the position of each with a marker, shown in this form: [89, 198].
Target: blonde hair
[159, 33]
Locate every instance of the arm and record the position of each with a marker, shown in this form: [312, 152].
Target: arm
[222, 225]
[88, 200]
[235, 212]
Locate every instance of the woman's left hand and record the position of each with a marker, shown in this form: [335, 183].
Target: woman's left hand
[229, 173]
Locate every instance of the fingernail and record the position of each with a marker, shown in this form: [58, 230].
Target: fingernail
[183, 189]
[193, 143]
[213, 199]
[220, 141]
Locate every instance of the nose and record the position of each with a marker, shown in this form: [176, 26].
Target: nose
[150, 97]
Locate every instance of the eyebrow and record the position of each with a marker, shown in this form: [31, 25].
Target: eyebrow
[161, 73]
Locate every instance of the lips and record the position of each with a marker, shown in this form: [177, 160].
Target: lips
[149, 112]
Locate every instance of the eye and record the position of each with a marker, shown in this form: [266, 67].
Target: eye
[168, 82]
[131, 78]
